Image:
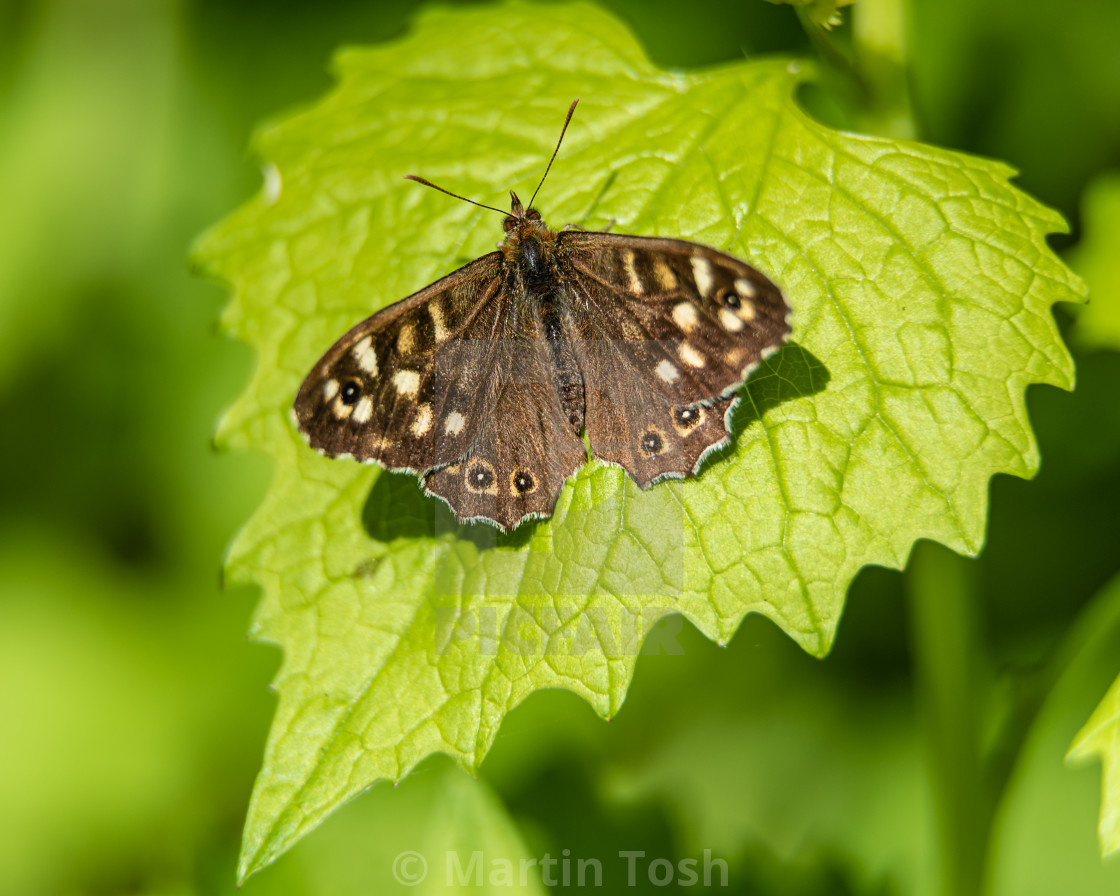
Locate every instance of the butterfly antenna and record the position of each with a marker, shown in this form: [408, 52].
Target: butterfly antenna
[571, 110]
[428, 183]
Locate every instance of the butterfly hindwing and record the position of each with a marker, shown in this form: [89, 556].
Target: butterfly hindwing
[409, 386]
[525, 450]
[630, 424]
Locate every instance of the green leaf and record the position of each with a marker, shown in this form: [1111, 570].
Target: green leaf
[921, 287]
[1101, 738]
[825, 13]
[439, 831]
[1094, 258]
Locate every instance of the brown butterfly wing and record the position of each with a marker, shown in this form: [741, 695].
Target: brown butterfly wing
[455, 383]
[525, 449]
[666, 332]
[409, 386]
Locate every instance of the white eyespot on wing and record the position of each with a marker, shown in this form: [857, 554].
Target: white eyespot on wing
[745, 288]
[652, 441]
[631, 272]
[667, 370]
[423, 421]
[702, 273]
[365, 356]
[479, 477]
[330, 389]
[730, 320]
[407, 382]
[686, 419]
[454, 423]
[690, 355]
[685, 316]
[363, 410]
[439, 329]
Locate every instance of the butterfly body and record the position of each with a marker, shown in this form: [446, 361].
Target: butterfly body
[487, 383]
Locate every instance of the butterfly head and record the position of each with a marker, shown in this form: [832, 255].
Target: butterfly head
[519, 217]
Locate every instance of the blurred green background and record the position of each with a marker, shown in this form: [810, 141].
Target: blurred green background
[133, 710]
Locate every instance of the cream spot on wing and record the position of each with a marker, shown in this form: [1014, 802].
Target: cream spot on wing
[746, 310]
[702, 272]
[330, 389]
[365, 356]
[631, 271]
[423, 421]
[667, 370]
[664, 274]
[406, 339]
[690, 355]
[745, 288]
[340, 409]
[363, 410]
[454, 424]
[439, 330]
[686, 316]
[730, 320]
[407, 382]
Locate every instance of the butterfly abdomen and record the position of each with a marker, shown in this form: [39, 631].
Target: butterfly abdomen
[569, 377]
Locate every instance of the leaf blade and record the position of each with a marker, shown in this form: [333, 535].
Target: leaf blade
[921, 286]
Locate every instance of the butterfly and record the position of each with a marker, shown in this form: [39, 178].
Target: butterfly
[487, 383]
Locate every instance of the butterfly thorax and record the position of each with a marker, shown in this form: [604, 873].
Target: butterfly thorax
[529, 256]
[529, 246]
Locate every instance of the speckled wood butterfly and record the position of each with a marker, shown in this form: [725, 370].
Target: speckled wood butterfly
[494, 384]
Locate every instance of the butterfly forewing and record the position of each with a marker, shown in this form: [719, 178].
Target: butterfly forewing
[690, 321]
[409, 386]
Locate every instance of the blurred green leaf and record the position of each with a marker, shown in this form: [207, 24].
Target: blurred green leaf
[1095, 259]
[825, 13]
[440, 831]
[1101, 737]
[126, 700]
[1043, 840]
[732, 783]
[921, 286]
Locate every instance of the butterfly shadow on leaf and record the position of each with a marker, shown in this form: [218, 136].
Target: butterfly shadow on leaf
[792, 373]
[396, 508]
